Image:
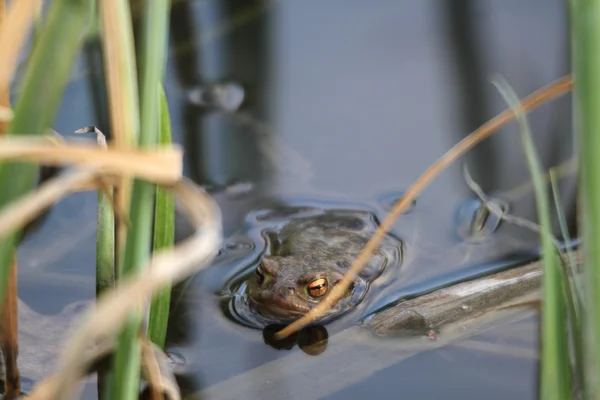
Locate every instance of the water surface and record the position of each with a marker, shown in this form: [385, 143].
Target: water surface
[345, 103]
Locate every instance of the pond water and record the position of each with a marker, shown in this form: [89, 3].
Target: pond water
[344, 104]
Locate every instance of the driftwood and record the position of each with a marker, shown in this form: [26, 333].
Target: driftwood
[440, 308]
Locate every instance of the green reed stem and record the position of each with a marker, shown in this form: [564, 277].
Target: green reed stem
[105, 245]
[137, 250]
[573, 295]
[585, 19]
[125, 375]
[555, 373]
[164, 235]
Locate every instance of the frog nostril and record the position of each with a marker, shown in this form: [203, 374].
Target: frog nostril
[285, 291]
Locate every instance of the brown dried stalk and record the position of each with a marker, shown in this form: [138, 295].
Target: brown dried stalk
[27, 208]
[121, 81]
[9, 328]
[155, 370]
[162, 164]
[112, 310]
[13, 32]
[154, 378]
[9, 341]
[556, 88]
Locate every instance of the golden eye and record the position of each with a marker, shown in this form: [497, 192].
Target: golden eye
[318, 287]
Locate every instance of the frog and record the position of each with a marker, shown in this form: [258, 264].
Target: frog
[308, 257]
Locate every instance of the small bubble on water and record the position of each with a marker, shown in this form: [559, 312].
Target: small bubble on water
[226, 96]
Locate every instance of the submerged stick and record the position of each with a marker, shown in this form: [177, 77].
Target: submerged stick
[555, 89]
[9, 335]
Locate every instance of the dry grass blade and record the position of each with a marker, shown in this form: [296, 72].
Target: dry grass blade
[24, 210]
[121, 80]
[42, 390]
[124, 129]
[12, 35]
[153, 359]
[157, 372]
[154, 379]
[175, 264]
[555, 89]
[162, 164]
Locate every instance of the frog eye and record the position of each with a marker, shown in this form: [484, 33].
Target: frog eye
[318, 287]
[260, 274]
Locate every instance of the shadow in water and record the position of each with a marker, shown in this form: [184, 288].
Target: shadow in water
[312, 340]
[460, 19]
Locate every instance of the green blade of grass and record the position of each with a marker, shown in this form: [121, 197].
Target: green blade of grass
[105, 268]
[164, 235]
[39, 98]
[105, 245]
[574, 291]
[585, 35]
[105, 272]
[564, 231]
[555, 374]
[137, 249]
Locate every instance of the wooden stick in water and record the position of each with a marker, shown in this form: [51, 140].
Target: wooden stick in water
[9, 336]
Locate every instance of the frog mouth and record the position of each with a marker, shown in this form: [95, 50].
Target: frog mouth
[279, 308]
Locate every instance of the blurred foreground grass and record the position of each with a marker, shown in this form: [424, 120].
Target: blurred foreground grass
[60, 34]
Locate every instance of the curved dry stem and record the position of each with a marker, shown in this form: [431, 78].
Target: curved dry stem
[161, 164]
[24, 210]
[112, 309]
[538, 97]
[155, 370]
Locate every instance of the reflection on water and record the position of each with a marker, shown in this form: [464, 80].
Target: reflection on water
[312, 340]
[337, 104]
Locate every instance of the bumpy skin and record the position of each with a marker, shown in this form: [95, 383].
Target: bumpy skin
[311, 248]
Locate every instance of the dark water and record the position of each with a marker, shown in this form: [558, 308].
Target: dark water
[345, 103]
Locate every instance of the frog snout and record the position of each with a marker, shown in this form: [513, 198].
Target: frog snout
[285, 291]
